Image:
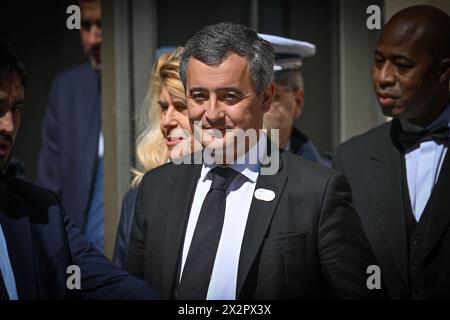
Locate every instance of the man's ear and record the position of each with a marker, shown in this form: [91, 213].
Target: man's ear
[299, 98]
[444, 70]
[268, 96]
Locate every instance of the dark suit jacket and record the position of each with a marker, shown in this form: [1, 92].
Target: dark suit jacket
[307, 243]
[70, 131]
[124, 229]
[42, 242]
[372, 164]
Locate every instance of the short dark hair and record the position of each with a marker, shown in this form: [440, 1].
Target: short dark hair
[213, 44]
[10, 62]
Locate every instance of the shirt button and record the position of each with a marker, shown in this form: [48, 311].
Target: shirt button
[414, 266]
[416, 241]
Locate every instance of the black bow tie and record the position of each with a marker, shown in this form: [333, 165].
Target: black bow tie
[412, 140]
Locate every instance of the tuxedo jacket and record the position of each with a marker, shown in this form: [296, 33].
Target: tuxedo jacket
[71, 127]
[43, 242]
[306, 243]
[374, 165]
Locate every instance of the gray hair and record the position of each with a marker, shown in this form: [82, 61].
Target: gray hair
[293, 79]
[213, 44]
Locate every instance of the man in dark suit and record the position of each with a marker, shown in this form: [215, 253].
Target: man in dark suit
[289, 99]
[70, 161]
[227, 228]
[40, 247]
[400, 171]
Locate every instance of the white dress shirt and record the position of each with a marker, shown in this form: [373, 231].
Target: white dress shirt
[238, 201]
[423, 165]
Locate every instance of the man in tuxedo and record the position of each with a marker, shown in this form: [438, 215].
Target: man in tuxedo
[40, 247]
[400, 171]
[227, 229]
[70, 162]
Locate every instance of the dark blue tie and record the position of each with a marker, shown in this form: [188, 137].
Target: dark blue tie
[3, 292]
[202, 251]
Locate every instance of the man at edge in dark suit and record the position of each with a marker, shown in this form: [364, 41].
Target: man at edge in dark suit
[38, 241]
[400, 171]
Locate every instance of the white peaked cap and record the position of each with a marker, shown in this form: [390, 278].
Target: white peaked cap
[288, 52]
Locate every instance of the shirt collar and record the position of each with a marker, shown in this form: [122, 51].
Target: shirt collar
[250, 171]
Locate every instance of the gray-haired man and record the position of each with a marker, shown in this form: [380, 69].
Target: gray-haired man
[210, 231]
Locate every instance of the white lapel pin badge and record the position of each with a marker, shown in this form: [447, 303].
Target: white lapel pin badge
[264, 194]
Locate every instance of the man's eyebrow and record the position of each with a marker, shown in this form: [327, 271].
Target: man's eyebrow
[220, 89]
[196, 89]
[399, 56]
[395, 56]
[228, 89]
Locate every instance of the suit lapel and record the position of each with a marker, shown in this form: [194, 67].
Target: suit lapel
[17, 231]
[384, 180]
[258, 222]
[439, 207]
[179, 206]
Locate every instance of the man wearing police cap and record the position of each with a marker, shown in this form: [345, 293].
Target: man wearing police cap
[289, 98]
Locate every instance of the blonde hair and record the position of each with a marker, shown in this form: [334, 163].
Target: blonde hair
[151, 151]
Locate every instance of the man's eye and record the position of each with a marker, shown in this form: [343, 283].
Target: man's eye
[87, 25]
[231, 98]
[17, 108]
[379, 60]
[403, 66]
[198, 97]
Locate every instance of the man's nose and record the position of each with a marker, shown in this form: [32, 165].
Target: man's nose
[213, 111]
[385, 75]
[7, 122]
[95, 34]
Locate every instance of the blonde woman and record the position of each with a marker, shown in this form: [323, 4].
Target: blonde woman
[167, 133]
